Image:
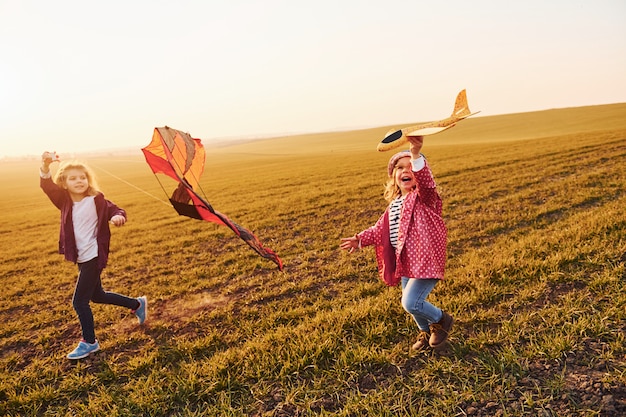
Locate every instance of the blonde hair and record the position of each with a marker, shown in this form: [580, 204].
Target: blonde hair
[392, 191]
[61, 175]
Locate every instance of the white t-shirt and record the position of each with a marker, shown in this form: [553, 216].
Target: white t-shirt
[85, 220]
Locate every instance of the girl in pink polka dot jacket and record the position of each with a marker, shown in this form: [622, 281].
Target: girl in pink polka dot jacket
[410, 241]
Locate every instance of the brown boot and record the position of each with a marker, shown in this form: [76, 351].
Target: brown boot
[422, 340]
[439, 331]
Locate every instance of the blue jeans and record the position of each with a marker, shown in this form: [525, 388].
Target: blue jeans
[414, 293]
[89, 288]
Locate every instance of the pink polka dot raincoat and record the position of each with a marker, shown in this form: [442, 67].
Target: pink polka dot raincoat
[422, 237]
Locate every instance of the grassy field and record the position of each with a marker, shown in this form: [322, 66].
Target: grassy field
[535, 205]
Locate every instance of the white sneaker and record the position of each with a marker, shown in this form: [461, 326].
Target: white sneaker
[142, 311]
[83, 350]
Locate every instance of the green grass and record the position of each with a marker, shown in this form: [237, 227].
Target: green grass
[536, 211]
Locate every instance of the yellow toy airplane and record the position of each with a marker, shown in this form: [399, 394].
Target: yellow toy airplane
[396, 138]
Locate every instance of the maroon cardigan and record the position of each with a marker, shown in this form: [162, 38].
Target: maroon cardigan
[105, 210]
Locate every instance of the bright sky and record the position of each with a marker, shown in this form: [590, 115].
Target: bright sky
[80, 75]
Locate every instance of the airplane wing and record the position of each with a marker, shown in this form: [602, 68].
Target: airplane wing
[428, 130]
[431, 130]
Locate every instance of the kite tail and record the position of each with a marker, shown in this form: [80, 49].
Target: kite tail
[248, 237]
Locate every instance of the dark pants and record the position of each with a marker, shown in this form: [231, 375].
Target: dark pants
[89, 288]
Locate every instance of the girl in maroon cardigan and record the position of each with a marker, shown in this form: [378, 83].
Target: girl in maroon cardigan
[410, 241]
[84, 239]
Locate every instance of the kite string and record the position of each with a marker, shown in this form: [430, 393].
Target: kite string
[132, 185]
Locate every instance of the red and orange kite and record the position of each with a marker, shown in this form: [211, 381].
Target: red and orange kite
[181, 157]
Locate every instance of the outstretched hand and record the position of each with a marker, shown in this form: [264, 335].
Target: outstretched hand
[47, 158]
[349, 243]
[416, 145]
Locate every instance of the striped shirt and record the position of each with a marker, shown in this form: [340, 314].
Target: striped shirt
[395, 208]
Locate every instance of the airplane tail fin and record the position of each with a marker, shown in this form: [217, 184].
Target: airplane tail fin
[461, 109]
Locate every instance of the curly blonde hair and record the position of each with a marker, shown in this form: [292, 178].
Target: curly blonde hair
[61, 175]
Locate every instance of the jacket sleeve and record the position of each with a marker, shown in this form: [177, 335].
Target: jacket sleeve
[372, 235]
[55, 193]
[427, 188]
[114, 210]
